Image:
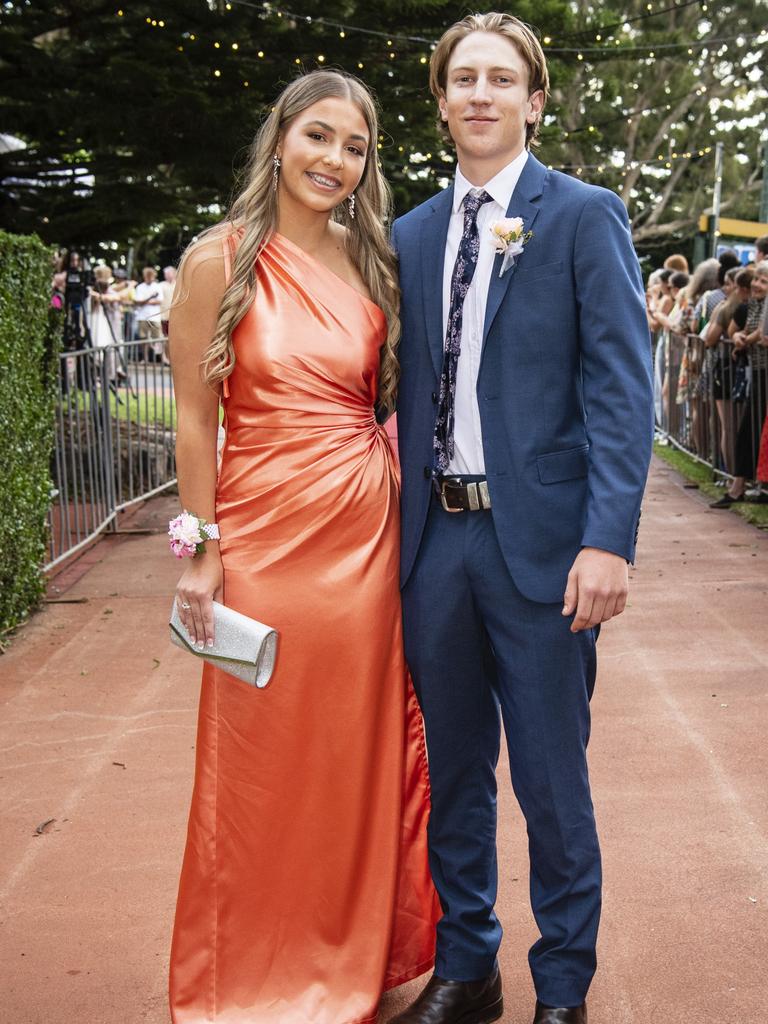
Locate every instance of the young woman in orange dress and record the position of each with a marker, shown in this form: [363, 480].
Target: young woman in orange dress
[305, 890]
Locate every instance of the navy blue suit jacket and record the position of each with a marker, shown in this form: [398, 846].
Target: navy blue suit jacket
[564, 386]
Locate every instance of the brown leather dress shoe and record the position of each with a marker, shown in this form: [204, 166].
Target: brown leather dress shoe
[456, 1002]
[560, 1014]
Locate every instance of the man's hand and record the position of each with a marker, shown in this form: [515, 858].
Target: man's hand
[597, 588]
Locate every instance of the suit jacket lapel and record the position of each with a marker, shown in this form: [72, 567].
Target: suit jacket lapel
[434, 230]
[529, 188]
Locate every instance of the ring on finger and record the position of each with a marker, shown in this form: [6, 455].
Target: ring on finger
[185, 606]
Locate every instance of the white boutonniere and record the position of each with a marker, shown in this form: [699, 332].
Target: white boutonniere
[508, 238]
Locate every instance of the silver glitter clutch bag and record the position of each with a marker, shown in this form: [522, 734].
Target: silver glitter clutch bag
[242, 647]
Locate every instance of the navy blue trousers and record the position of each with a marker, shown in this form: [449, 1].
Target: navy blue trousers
[480, 654]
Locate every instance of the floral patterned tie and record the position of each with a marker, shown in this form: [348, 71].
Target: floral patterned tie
[461, 279]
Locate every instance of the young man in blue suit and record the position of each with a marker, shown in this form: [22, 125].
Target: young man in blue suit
[525, 425]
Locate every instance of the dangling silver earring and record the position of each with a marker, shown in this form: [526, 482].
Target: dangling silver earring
[275, 171]
[351, 201]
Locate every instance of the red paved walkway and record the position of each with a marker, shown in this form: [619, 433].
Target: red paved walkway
[98, 731]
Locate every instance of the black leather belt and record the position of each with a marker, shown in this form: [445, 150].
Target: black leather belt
[456, 496]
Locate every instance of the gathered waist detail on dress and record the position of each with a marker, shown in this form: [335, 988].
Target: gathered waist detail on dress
[363, 420]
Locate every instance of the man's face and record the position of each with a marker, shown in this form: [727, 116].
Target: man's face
[149, 275]
[486, 104]
[759, 286]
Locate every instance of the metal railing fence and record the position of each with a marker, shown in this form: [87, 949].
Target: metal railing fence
[114, 439]
[116, 424]
[711, 402]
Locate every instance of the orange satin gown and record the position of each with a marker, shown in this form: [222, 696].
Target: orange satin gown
[305, 890]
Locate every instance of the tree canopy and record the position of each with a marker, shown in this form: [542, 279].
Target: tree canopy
[137, 116]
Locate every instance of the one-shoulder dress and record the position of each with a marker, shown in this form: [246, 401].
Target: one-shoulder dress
[305, 889]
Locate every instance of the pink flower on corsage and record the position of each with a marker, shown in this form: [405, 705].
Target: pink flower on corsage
[186, 538]
[509, 239]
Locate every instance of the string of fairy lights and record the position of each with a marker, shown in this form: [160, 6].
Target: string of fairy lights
[707, 46]
[602, 33]
[661, 161]
[649, 12]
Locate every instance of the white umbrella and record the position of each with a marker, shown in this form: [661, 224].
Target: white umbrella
[8, 143]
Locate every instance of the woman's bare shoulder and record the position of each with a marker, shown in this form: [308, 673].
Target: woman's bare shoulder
[206, 252]
[204, 264]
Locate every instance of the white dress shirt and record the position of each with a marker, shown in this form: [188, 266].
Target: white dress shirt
[468, 440]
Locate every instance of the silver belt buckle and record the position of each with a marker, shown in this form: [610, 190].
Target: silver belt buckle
[443, 500]
[478, 495]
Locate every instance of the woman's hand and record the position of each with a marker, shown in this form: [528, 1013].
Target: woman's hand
[198, 587]
[661, 319]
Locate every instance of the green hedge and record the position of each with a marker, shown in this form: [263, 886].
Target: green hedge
[28, 354]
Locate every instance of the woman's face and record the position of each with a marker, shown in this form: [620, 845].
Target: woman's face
[759, 286]
[727, 286]
[322, 154]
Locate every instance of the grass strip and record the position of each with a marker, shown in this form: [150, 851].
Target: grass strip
[697, 473]
[146, 407]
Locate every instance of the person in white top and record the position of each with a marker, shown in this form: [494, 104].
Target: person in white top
[147, 301]
[104, 317]
[167, 288]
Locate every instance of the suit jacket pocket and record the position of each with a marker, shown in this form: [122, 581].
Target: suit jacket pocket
[567, 465]
[540, 269]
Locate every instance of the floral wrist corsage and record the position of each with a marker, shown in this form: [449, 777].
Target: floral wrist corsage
[189, 533]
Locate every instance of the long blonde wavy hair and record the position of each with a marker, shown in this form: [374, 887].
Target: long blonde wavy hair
[254, 214]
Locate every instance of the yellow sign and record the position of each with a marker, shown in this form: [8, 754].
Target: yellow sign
[749, 229]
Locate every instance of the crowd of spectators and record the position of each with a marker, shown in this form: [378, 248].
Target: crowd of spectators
[710, 330]
[102, 305]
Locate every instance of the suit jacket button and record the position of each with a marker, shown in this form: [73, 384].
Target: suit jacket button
[427, 473]
[434, 398]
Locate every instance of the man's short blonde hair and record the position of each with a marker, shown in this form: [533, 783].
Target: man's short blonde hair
[518, 33]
